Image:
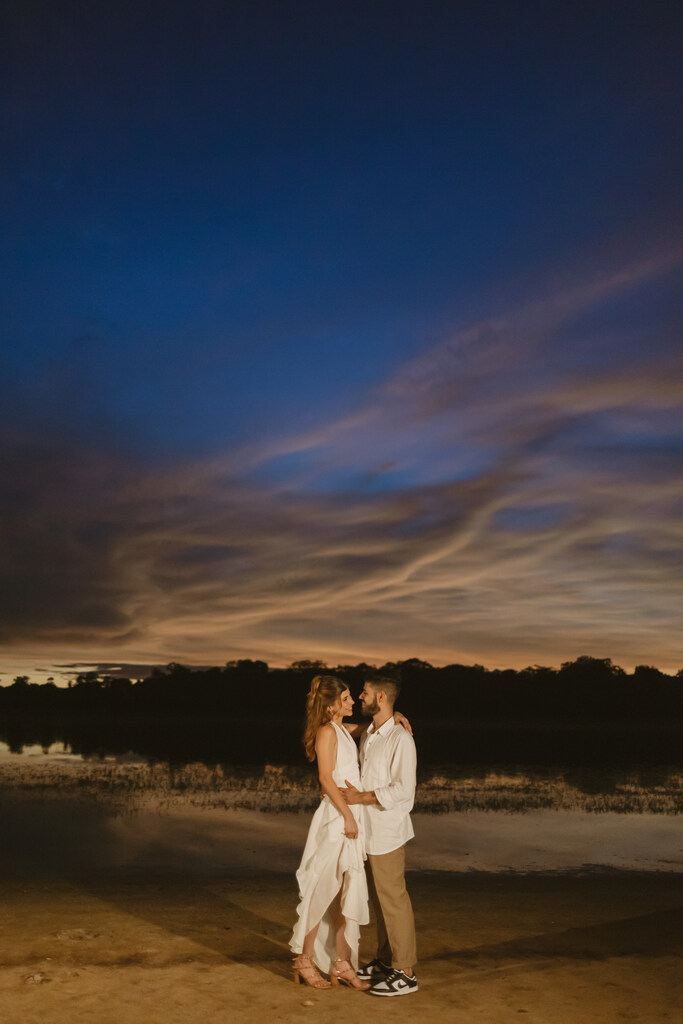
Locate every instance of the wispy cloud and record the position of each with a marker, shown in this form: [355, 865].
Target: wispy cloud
[511, 496]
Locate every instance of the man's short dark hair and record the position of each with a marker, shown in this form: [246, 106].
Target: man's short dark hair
[390, 685]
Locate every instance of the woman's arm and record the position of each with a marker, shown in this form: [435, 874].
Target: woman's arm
[402, 720]
[326, 752]
[357, 729]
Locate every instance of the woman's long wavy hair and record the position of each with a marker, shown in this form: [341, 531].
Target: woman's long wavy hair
[325, 691]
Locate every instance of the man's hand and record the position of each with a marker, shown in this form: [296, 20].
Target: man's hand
[351, 795]
[357, 796]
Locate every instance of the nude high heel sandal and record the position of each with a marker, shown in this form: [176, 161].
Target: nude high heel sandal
[306, 973]
[345, 975]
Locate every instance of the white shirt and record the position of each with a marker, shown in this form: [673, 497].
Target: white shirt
[388, 764]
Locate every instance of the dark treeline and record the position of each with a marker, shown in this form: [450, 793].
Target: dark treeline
[588, 712]
[588, 690]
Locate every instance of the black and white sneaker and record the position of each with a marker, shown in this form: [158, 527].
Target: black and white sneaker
[374, 971]
[398, 983]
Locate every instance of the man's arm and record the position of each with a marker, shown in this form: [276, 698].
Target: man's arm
[358, 796]
[399, 794]
[356, 729]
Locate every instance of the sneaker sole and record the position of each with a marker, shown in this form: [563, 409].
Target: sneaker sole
[388, 995]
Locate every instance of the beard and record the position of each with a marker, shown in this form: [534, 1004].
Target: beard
[369, 709]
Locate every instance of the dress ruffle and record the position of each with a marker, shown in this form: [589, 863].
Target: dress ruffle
[331, 862]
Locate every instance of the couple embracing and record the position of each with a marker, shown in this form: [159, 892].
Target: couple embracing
[356, 842]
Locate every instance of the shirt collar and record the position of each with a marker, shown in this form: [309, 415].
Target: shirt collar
[383, 729]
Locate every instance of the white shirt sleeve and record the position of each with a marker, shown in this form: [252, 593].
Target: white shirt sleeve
[399, 793]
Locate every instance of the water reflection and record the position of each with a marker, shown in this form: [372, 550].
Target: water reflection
[64, 810]
[62, 752]
[189, 739]
[247, 765]
[45, 837]
[36, 752]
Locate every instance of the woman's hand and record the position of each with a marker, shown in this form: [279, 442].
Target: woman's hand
[402, 720]
[350, 827]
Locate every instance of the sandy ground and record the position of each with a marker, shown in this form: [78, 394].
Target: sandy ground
[184, 917]
[166, 948]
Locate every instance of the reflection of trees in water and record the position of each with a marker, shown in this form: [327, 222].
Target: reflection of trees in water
[582, 748]
[174, 739]
[590, 717]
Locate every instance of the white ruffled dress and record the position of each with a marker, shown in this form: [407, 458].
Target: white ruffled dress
[332, 862]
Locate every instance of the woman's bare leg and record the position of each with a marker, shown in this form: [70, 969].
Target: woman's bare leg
[339, 927]
[342, 968]
[304, 967]
[309, 941]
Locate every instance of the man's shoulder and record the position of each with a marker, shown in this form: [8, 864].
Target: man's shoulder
[401, 737]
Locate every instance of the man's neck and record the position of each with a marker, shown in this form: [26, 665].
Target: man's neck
[381, 717]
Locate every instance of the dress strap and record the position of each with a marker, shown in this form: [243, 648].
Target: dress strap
[343, 731]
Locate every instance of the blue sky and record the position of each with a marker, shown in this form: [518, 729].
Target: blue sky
[347, 330]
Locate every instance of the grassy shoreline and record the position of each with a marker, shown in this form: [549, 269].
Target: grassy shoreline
[126, 786]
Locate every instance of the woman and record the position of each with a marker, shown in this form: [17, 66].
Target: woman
[332, 887]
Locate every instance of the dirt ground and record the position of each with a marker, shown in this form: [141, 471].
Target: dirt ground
[132, 947]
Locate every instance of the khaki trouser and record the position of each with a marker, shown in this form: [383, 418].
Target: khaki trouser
[393, 909]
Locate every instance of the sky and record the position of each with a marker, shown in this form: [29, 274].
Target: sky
[341, 330]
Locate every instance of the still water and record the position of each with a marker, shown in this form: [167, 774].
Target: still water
[59, 751]
[69, 812]
[31, 751]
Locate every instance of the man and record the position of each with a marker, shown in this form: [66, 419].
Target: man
[388, 764]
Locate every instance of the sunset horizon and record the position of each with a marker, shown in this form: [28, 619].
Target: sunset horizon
[360, 336]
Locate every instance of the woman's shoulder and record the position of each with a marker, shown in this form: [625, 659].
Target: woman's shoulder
[326, 740]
